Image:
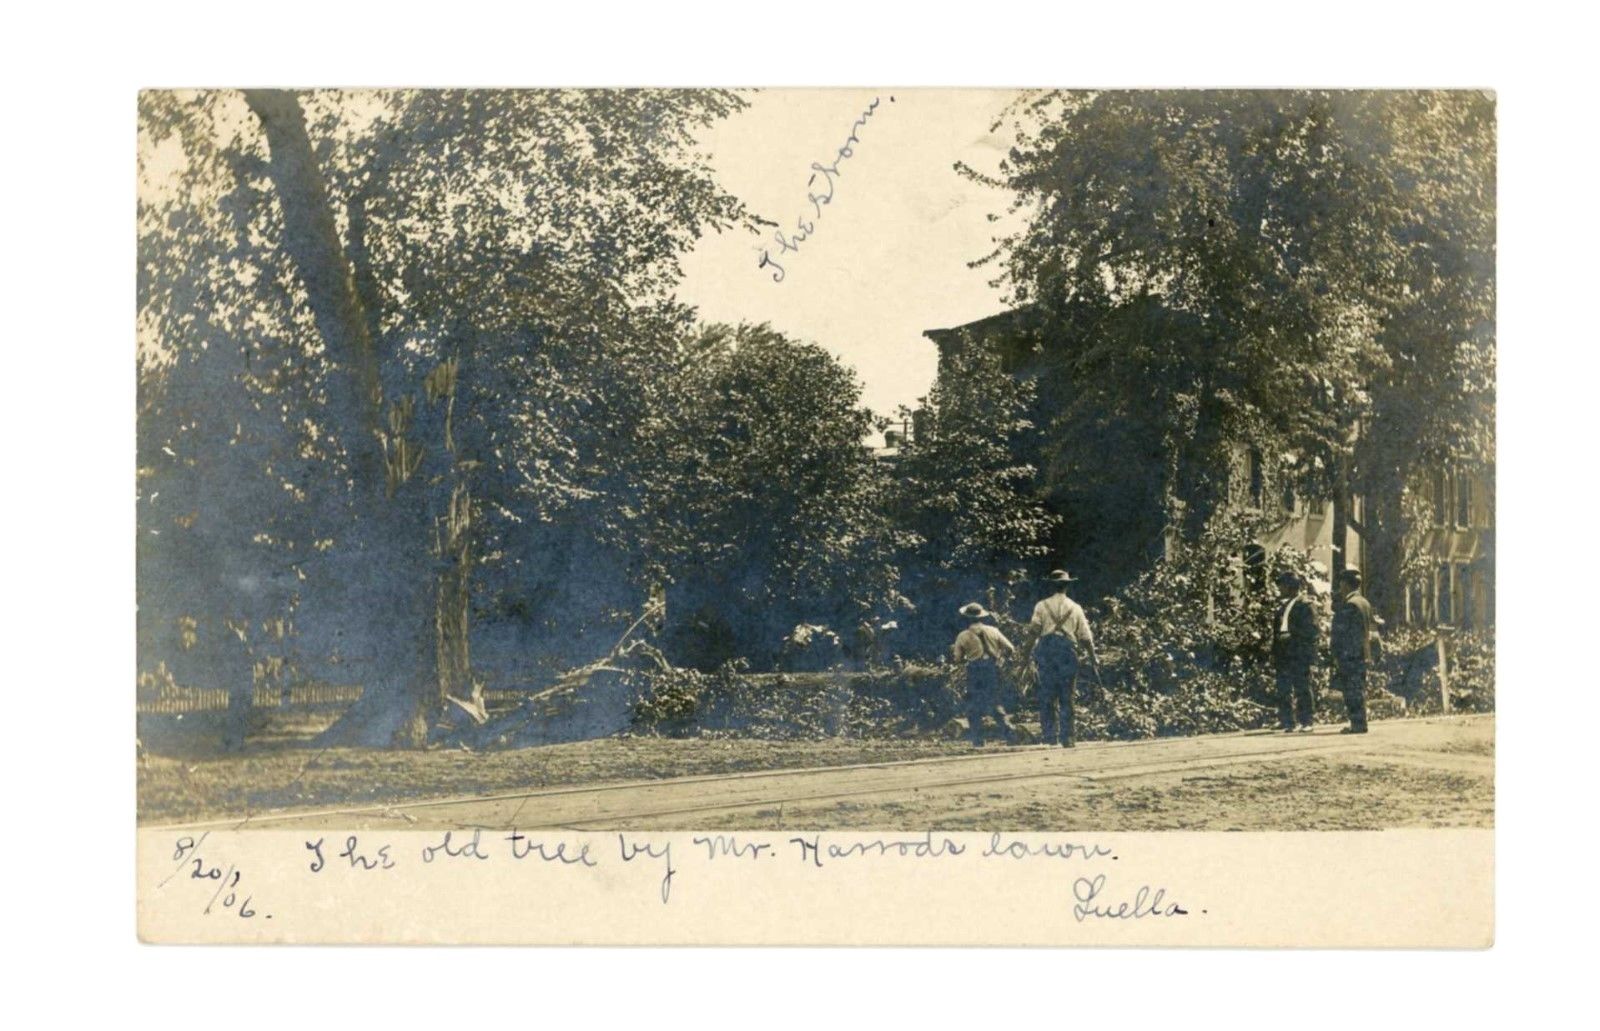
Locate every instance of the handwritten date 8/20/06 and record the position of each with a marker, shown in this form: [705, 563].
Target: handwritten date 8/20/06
[227, 895]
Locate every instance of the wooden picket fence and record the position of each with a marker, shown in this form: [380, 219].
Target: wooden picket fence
[172, 700]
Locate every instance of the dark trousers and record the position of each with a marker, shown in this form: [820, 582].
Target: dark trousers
[1351, 681]
[983, 699]
[1056, 661]
[1295, 703]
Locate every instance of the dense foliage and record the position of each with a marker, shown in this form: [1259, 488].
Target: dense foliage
[404, 328]
[1410, 669]
[762, 508]
[1311, 273]
[419, 408]
[971, 507]
[731, 700]
[487, 458]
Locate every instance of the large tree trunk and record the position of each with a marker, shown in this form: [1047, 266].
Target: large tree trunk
[400, 696]
[311, 239]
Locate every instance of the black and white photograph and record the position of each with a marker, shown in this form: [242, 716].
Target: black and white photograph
[970, 472]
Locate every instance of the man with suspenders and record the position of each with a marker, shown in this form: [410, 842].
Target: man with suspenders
[1063, 631]
[981, 647]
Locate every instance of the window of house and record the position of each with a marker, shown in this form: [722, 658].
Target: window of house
[1463, 500]
[1255, 567]
[1441, 496]
[1258, 483]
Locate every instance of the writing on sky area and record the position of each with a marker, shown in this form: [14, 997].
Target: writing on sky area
[819, 194]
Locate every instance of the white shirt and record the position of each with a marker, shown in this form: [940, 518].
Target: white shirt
[1059, 614]
[981, 641]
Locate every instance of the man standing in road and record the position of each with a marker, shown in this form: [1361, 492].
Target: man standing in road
[1352, 648]
[1294, 646]
[981, 647]
[1063, 632]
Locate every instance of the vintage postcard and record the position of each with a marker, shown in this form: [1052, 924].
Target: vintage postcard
[816, 516]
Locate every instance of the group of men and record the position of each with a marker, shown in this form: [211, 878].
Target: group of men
[1297, 641]
[1063, 635]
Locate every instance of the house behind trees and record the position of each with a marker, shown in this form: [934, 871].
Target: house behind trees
[1113, 519]
[1454, 579]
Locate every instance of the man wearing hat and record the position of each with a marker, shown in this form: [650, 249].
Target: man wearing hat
[1063, 632]
[981, 647]
[1352, 648]
[1294, 647]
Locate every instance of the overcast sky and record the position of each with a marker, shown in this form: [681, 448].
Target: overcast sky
[888, 257]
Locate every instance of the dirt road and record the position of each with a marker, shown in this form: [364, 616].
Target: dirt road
[1405, 773]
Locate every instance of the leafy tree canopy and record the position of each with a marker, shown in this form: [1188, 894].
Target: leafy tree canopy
[505, 260]
[1310, 272]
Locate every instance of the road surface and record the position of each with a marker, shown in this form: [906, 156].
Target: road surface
[1424, 772]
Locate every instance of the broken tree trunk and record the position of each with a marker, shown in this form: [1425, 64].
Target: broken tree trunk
[593, 700]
